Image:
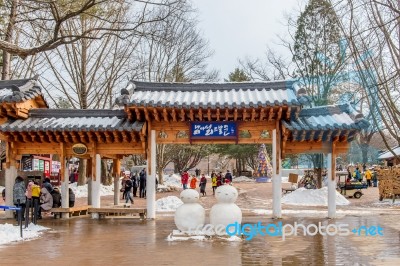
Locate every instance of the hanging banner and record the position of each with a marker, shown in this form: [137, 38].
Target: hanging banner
[213, 130]
[35, 164]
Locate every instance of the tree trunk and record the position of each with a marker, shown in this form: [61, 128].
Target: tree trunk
[5, 73]
[364, 152]
[82, 172]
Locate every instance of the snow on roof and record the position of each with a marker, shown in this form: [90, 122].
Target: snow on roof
[389, 154]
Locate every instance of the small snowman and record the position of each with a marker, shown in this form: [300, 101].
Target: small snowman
[190, 216]
[225, 211]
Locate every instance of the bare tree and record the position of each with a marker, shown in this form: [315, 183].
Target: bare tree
[273, 66]
[36, 26]
[373, 33]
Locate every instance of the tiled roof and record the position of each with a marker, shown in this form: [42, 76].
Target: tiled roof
[72, 120]
[327, 118]
[389, 154]
[19, 90]
[213, 95]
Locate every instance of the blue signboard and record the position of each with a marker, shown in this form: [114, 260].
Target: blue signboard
[213, 130]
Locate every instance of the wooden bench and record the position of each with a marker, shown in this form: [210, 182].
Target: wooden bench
[288, 190]
[103, 212]
[73, 211]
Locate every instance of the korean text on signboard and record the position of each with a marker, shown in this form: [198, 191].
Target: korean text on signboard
[213, 130]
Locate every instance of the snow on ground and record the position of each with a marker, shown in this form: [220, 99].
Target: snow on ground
[167, 204]
[171, 182]
[312, 197]
[243, 179]
[316, 213]
[11, 233]
[82, 191]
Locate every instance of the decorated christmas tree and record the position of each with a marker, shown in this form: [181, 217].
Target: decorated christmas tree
[264, 170]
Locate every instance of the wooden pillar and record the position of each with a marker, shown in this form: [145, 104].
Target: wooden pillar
[331, 165]
[10, 175]
[151, 178]
[116, 171]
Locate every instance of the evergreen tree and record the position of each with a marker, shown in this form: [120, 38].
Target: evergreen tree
[316, 51]
[238, 75]
[264, 163]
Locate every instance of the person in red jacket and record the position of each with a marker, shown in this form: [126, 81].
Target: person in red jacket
[184, 179]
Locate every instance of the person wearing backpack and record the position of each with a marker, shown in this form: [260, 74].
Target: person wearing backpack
[19, 197]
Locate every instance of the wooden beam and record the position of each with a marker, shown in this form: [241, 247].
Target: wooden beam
[156, 115]
[296, 114]
[244, 114]
[173, 114]
[82, 137]
[108, 136]
[288, 111]
[191, 114]
[218, 115]
[116, 136]
[279, 116]
[271, 113]
[138, 115]
[226, 114]
[262, 114]
[66, 137]
[235, 114]
[312, 135]
[200, 114]
[183, 115]
[253, 114]
[93, 159]
[209, 114]
[146, 114]
[42, 137]
[165, 115]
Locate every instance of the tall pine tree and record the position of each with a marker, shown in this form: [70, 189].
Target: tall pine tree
[316, 51]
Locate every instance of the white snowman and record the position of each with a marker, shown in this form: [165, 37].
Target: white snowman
[190, 215]
[225, 211]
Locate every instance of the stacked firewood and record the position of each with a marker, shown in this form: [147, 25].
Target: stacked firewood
[389, 182]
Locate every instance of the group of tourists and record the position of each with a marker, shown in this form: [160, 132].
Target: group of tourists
[216, 180]
[38, 198]
[131, 183]
[369, 174]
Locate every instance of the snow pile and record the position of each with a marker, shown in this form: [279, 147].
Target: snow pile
[82, 191]
[168, 204]
[312, 197]
[243, 179]
[10, 233]
[172, 182]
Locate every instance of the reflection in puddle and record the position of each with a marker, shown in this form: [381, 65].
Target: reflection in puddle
[87, 241]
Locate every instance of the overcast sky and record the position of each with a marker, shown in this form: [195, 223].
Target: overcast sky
[239, 28]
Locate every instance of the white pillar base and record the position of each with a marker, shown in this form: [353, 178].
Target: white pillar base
[10, 175]
[331, 189]
[96, 184]
[151, 180]
[65, 196]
